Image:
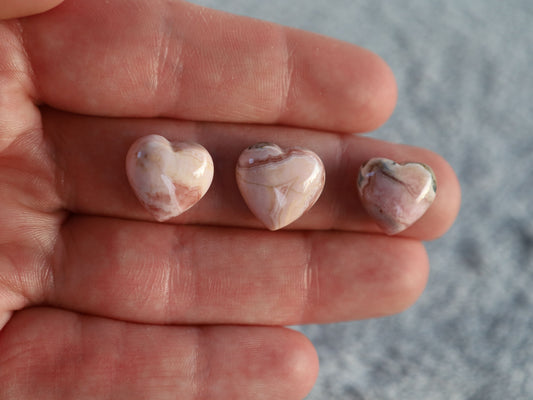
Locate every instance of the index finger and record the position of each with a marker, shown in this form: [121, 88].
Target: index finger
[179, 60]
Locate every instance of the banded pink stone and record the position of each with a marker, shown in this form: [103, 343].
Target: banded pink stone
[168, 178]
[395, 194]
[279, 185]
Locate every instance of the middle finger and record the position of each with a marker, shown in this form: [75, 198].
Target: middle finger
[90, 155]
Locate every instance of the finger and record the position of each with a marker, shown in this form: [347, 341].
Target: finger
[154, 273]
[22, 8]
[175, 59]
[92, 176]
[52, 354]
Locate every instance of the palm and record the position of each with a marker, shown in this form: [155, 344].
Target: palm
[74, 239]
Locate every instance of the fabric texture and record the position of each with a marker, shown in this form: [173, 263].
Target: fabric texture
[465, 77]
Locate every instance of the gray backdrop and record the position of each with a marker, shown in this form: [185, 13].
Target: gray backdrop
[465, 76]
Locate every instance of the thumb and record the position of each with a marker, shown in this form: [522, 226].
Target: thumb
[23, 8]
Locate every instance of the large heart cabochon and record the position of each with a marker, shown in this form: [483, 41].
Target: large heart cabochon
[279, 185]
[168, 178]
[395, 194]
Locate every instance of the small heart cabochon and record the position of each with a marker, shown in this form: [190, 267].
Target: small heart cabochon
[395, 194]
[279, 185]
[168, 178]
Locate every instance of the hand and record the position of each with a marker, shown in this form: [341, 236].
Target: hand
[99, 301]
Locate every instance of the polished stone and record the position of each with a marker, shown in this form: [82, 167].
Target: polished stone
[168, 178]
[279, 185]
[395, 194]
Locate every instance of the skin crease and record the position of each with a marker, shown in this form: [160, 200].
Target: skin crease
[85, 271]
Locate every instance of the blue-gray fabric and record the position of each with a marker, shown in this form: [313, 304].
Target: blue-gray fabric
[465, 77]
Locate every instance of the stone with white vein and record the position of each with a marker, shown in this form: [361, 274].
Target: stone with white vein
[279, 185]
[168, 178]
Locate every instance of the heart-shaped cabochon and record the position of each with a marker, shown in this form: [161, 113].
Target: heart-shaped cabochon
[396, 194]
[168, 178]
[279, 185]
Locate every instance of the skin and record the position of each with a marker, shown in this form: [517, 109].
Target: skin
[99, 301]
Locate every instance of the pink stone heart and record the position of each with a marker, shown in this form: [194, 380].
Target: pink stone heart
[168, 178]
[396, 194]
[279, 185]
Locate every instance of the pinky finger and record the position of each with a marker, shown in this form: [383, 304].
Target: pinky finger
[50, 354]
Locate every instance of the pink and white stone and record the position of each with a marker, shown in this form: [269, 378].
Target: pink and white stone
[168, 178]
[279, 185]
[396, 194]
